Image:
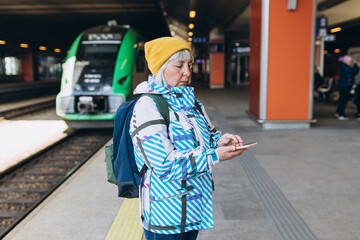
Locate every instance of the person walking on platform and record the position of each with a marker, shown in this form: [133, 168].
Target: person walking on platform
[346, 81]
[176, 190]
[357, 100]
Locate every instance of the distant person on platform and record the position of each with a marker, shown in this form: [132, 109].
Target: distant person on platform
[357, 100]
[346, 81]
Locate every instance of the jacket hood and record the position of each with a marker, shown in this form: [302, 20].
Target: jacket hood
[150, 86]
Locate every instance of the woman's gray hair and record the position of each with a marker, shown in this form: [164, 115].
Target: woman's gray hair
[181, 55]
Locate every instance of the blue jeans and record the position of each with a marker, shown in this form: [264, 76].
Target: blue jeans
[192, 235]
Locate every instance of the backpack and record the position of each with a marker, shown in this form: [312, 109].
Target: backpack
[122, 169]
[119, 156]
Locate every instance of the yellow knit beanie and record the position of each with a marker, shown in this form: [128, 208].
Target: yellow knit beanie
[159, 50]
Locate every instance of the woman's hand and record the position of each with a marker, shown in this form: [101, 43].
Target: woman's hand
[228, 152]
[230, 140]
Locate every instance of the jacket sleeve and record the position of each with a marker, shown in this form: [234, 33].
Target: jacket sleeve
[153, 147]
[355, 69]
[215, 134]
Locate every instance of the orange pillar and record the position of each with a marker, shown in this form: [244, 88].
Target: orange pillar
[217, 59]
[281, 59]
[27, 66]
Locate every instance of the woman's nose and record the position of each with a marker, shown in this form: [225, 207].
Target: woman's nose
[187, 71]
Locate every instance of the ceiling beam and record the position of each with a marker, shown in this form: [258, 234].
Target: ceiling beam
[76, 8]
[328, 4]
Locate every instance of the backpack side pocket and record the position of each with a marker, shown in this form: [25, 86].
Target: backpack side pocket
[109, 159]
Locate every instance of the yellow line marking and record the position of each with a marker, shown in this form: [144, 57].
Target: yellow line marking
[126, 225]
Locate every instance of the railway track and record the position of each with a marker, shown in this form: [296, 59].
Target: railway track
[25, 186]
[8, 114]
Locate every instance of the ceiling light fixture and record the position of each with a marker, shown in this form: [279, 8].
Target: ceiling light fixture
[334, 30]
[24, 45]
[192, 14]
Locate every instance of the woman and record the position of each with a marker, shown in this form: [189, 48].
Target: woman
[346, 81]
[176, 193]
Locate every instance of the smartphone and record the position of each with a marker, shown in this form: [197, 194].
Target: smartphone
[246, 145]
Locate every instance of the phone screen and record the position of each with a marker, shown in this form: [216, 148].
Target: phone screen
[247, 145]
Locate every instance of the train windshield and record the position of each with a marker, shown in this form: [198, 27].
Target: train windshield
[99, 48]
[98, 54]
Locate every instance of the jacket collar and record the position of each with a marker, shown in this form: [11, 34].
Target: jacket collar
[180, 97]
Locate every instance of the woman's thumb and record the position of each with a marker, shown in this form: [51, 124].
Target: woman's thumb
[230, 148]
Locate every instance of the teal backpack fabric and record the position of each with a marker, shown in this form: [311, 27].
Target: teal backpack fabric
[120, 160]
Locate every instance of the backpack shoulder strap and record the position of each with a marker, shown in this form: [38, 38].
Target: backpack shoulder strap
[162, 105]
[198, 107]
[164, 111]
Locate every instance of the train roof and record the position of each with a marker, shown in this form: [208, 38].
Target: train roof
[108, 29]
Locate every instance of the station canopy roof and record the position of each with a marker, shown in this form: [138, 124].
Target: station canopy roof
[56, 23]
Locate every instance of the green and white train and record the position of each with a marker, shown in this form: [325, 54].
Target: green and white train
[102, 67]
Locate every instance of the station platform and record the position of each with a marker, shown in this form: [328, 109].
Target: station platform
[21, 90]
[295, 184]
[6, 86]
[35, 135]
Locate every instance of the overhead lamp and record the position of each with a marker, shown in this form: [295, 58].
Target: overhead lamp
[24, 45]
[57, 50]
[42, 48]
[190, 34]
[189, 39]
[2, 42]
[191, 26]
[192, 14]
[334, 30]
[337, 50]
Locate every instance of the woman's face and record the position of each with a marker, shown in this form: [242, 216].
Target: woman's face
[178, 73]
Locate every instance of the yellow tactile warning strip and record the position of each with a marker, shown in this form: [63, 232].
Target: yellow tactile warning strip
[126, 225]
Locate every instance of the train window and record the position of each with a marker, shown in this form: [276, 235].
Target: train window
[12, 65]
[140, 61]
[49, 67]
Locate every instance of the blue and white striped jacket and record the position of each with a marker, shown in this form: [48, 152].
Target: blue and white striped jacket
[176, 195]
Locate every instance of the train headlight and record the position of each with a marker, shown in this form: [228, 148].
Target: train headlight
[114, 102]
[78, 87]
[67, 104]
[107, 88]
